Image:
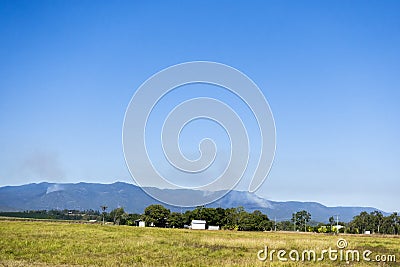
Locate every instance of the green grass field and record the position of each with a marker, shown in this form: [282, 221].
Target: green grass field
[24, 243]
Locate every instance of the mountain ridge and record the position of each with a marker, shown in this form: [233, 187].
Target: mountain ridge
[83, 196]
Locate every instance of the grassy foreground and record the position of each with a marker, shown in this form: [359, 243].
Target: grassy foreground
[24, 243]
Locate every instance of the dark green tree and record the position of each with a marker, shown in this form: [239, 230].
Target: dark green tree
[157, 215]
[187, 217]
[131, 218]
[300, 220]
[256, 221]
[232, 217]
[331, 223]
[284, 226]
[361, 223]
[175, 220]
[220, 219]
[374, 222]
[394, 220]
[377, 220]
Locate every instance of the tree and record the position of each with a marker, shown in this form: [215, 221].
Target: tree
[245, 222]
[176, 220]
[256, 221]
[284, 226]
[361, 223]
[321, 228]
[104, 208]
[210, 215]
[131, 218]
[331, 222]
[187, 217]
[300, 220]
[220, 218]
[374, 222]
[394, 219]
[232, 217]
[117, 215]
[261, 221]
[157, 215]
[377, 219]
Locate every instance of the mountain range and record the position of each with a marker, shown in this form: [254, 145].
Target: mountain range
[83, 196]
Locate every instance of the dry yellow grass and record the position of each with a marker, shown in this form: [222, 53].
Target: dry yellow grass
[25, 243]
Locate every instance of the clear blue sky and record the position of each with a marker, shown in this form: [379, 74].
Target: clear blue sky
[329, 69]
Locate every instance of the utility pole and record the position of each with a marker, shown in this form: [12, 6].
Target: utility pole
[305, 225]
[275, 224]
[337, 224]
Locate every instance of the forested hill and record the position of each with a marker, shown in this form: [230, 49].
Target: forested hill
[85, 196]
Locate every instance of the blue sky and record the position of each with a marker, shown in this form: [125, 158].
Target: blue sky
[329, 70]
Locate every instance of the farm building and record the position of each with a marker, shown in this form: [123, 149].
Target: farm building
[198, 225]
[140, 223]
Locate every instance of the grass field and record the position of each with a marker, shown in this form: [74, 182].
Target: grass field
[24, 243]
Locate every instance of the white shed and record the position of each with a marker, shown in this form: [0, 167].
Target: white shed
[213, 228]
[198, 224]
[140, 223]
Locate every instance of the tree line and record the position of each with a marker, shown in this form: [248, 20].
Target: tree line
[230, 219]
[159, 216]
[239, 219]
[55, 214]
[374, 222]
